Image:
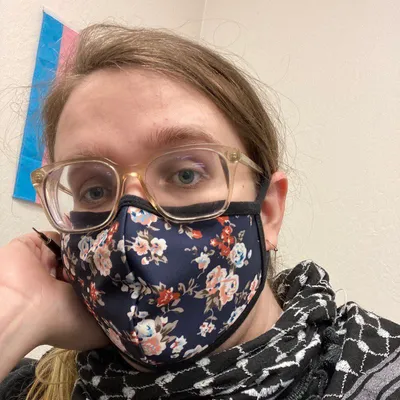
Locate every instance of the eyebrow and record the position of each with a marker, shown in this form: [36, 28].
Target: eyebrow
[161, 138]
[178, 135]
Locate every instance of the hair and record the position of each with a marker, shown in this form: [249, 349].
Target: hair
[104, 46]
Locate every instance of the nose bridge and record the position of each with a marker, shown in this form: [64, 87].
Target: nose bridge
[132, 174]
[131, 184]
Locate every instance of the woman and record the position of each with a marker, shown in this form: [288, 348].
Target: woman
[164, 183]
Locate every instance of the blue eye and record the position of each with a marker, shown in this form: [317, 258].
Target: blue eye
[94, 194]
[186, 176]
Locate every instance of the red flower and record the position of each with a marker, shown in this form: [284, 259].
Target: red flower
[214, 242]
[111, 231]
[226, 231]
[222, 220]
[93, 292]
[196, 234]
[224, 250]
[230, 240]
[166, 296]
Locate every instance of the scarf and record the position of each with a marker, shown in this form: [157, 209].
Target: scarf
[313, 351]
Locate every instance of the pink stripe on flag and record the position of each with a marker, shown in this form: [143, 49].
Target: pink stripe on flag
[68, 42]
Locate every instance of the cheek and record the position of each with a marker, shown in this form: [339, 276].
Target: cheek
[244, 187]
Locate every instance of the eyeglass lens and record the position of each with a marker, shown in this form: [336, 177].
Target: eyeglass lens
[184, 184]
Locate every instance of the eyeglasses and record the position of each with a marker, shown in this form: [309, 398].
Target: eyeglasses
[187, 184]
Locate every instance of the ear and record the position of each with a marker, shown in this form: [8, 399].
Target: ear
[273, 208]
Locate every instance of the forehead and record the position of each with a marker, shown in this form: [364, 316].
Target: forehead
[126, 115]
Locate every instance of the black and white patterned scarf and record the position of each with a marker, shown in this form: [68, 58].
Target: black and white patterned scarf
[313, 351]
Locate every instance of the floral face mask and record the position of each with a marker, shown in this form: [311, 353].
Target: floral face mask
[166, 293]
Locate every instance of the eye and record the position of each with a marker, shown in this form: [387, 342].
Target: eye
[186, 177]
[94, 194]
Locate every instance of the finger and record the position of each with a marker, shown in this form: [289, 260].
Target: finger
[54, 236]
[37, 246]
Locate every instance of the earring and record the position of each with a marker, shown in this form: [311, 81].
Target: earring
[274, 248]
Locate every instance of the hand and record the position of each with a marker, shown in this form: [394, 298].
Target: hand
[52, 312]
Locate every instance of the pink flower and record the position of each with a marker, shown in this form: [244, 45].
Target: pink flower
[253, 288]
[153, 346]
[134, 338]
[229, 287]
[214, 279]
[203, 260]
[141, 246]
[102, 260]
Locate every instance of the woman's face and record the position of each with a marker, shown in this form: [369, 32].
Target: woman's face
[128, 116]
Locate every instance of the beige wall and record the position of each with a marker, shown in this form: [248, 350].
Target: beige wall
[335, 68]
[334, 71]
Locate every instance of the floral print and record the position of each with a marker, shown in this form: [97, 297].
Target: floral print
[228, 289]
[220, 288]
[203, 260]
[206, 327]
[177, 346]
[141, 246]
[238, 254]
[102, 260]
[165, 292]
[95, 295]
[84, 246]
[166, 296]
[253, 287]
[141, 216]
[154, 345]
[152, 247]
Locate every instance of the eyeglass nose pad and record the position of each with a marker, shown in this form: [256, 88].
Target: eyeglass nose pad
[133, 186]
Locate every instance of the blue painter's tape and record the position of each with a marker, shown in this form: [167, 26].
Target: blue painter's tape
[32, 148]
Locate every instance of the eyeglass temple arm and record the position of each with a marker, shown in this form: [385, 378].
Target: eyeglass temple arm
[250, 163]
[64, 189]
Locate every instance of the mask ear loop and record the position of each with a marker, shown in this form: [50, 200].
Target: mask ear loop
[264, 184]
[260, 197]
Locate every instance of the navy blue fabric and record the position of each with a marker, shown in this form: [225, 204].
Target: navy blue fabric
[163, 292]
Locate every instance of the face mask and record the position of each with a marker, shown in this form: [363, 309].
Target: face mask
[165, 293]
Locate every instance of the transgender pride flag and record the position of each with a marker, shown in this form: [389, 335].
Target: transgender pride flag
[55, 42]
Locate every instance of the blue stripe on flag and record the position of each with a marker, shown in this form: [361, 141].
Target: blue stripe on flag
[32, 148]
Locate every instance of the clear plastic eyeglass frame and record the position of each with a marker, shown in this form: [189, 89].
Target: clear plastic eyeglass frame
[230, 155]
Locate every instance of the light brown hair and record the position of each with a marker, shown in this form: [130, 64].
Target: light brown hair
[111, 46]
